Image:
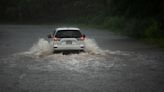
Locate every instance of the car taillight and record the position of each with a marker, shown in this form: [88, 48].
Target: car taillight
[56, 39]
[82, 38]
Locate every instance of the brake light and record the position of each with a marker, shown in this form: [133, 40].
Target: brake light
[82, 38]
[56, 39]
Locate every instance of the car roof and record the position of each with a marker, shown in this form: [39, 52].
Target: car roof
[67, 28]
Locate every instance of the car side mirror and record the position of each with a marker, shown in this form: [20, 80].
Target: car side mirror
[49, 36]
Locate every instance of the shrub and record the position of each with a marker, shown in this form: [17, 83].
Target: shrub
[114, 23]
[152, 31]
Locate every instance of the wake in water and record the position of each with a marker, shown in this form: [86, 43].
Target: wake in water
[44, 48]
[93, 59]
[40, 57]
[41, 48]
[93, 48]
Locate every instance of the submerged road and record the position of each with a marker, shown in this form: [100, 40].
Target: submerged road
[111, 63]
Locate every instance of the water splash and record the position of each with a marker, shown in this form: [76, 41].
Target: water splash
[41, 48]
[44, 48]
[93, 59]
[93, 48]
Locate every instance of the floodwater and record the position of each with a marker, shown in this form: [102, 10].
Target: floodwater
[110, 63]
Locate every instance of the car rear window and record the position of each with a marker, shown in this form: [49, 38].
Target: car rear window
[68, 34]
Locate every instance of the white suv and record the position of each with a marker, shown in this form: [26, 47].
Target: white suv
[68, 39]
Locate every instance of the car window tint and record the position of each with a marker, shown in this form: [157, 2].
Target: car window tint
[68, 34]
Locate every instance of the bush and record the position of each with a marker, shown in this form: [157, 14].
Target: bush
[137, 28]
[152, 31]
[114, 23]
[97, 20]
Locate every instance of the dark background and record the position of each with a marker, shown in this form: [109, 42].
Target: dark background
[17, 10]
[136, 18]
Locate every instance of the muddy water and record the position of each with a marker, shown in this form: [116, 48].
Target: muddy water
[93, 57]
[110, 63]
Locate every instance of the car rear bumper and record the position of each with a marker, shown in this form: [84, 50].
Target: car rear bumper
[69, 47]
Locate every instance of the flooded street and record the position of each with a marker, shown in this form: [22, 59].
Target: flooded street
[110, 63]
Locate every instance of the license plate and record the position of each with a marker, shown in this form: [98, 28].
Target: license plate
[68, 42]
